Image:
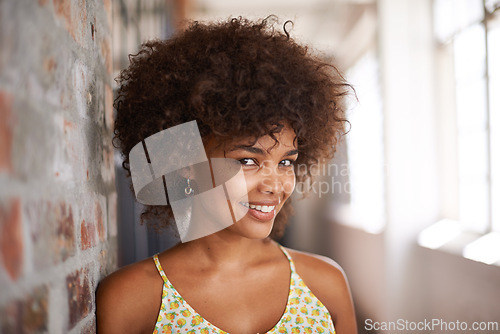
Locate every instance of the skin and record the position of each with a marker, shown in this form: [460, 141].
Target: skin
[236, 278]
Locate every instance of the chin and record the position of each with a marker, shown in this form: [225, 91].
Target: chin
[251, 229]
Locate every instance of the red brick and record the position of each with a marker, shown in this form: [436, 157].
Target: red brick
[106, 263]
[49, 64]
[52, 231]
[11, 320]
[70, 131]
[90, 327]
[106, 54]
[103, 262]
[109, 13]
[82, 10]
[35, 311]
[68, 126]
[107, 5]
[112, 215]
[88, 235]
[11, 238]
[74, 18]
[63, 10]
[79, 296]
[29, 315]
[6, 125]
[65, 234]
[101, 229]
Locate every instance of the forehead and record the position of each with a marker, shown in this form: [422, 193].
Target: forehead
[285, 140]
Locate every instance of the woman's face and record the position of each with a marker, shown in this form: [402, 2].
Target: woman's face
[268, 169]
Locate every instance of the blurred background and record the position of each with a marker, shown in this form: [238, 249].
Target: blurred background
[410, 206]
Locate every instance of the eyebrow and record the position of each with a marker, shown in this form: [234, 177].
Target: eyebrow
[260, 151]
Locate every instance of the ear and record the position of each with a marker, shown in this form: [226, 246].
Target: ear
[187, 172]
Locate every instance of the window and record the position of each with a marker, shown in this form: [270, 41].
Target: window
[366, 207]
[468, 33]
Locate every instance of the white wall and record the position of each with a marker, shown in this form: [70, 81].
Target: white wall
[406, 55]
[391, 276]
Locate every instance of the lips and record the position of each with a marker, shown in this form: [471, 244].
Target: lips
[262, 211]
[257, 207]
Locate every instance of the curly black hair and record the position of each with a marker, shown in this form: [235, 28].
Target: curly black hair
[236, 78]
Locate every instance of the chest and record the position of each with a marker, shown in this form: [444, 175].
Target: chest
[250, 302]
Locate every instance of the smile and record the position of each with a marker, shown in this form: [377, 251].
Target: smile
[261, 208]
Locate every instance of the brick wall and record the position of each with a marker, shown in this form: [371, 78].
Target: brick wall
[57, 191]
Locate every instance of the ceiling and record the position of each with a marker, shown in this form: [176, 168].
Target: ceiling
[336, 28]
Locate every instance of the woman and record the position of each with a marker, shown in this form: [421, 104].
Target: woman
[262, 100]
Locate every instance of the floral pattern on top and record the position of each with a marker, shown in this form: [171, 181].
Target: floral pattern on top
[304, 313]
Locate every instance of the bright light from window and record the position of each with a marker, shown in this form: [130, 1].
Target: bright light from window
[472, 112]
[485, 249]
[461, 27]
[439, 233]
[365, 148]
[494, 76]
[451, 16]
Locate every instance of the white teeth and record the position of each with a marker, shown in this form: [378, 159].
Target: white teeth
[262, 208]
[266, 208]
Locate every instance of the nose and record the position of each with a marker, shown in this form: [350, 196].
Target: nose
[272, 181]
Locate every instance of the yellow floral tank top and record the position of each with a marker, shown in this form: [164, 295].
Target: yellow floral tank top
[304, 313]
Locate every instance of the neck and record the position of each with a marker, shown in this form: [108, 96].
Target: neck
[228, 250]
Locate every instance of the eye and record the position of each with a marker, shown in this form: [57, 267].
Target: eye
[287, 162]
[248, 162]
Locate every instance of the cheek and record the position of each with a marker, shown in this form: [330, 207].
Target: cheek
[285, 177]
[237, 188]
[251, 181]
[289, 183]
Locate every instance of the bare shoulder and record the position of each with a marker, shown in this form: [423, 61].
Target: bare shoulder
[327, 280]
[318, 267]
[129, 299]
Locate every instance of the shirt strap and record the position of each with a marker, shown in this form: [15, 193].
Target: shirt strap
[159, 268]
[292, 264]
